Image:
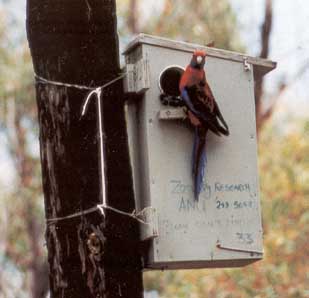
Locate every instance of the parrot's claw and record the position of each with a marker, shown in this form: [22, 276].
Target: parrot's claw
[185, 110]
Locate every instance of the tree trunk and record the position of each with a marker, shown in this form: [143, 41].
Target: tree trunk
[90, 255]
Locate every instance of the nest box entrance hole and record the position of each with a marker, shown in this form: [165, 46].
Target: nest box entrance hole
[169, 80]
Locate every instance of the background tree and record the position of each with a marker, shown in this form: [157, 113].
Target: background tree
[133, 17]
[284, 178]
[262, 114]
[23, 244]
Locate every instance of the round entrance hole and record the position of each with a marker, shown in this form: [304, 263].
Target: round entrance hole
[169, 80]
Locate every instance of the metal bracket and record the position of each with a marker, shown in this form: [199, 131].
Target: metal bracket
[172, 114]
[129, 85]
[149, 228]
[137, 79]
[247, 65]
[238, 248]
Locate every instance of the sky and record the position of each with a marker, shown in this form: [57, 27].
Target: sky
[289, 46]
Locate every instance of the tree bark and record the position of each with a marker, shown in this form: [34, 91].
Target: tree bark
[91, 255]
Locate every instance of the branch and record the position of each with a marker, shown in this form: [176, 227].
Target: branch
[165, 14]
[266, 29]
[266, 115]
[133, 17]
[265, 38]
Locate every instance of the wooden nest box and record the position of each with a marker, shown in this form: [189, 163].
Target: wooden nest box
[224, 228]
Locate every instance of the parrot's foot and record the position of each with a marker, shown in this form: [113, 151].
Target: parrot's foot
[185, 110]
[193, 119]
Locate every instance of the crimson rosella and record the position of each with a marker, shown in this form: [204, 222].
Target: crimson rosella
[203, 113]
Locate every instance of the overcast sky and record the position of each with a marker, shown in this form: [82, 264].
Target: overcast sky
[289, 44]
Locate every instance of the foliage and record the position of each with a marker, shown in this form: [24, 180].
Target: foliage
[284, 179]
[196, 21]
[19, 128]
[23, 199]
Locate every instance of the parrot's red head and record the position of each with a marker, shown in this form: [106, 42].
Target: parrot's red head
[198, 59]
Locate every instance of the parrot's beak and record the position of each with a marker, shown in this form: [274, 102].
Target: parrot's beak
[199, 59]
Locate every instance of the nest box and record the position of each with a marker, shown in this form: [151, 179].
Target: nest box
[222, 229]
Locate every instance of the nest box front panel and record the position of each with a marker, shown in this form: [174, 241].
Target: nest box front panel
[222, 228]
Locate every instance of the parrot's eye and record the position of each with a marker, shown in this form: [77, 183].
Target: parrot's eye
[199, 59]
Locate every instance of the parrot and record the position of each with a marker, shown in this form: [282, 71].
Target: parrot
[203, 113]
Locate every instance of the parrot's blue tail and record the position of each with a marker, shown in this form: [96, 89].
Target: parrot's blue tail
[194, 151]
[199, 160]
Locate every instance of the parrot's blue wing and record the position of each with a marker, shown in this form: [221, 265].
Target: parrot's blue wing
[185, 96]
[210, 118]
[199, 158]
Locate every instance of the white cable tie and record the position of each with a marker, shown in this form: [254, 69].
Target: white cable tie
[45, 81]
[132, 215]
[102, 158]
[96, 91]
[99, 207]
[77, 214]
[82, 87]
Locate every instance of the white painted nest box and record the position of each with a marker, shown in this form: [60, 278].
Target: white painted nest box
[222, 229]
